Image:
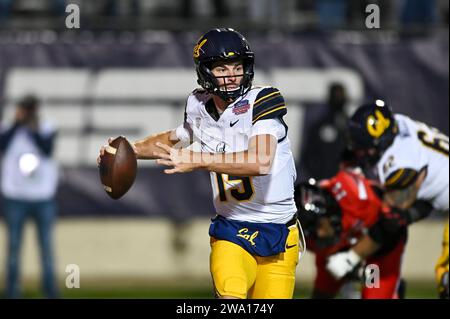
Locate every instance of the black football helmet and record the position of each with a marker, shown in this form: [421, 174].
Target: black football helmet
[371, 129]
[314, 203]
[223, 45]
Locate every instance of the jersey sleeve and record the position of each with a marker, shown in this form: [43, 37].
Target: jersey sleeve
[401, 178]
[269, 104]
[399, 169]
[183, 134]
[272, 127]
[184, 131]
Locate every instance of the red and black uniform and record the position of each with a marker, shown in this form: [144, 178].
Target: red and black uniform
[362, 210]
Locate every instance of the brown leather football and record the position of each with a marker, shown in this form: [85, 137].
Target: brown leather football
[118, 166]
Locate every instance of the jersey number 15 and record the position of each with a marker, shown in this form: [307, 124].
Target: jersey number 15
[242, 192]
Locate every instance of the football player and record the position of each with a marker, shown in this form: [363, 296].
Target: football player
[410, 160]
[336, 214]
[442, 267]
[236, 131]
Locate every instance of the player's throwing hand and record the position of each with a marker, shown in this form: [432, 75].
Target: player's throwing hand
[182, 160]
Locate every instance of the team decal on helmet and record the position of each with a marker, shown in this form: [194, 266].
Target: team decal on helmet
[198, 47]
[377, 124]
[372, 129]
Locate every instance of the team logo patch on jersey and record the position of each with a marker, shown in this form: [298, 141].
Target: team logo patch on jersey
[241, 107]
[220, 148]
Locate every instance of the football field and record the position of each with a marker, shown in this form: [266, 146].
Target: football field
[167, 151]
[415, 290]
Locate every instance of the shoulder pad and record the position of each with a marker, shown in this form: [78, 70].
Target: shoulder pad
[269, 103]
[199, 91]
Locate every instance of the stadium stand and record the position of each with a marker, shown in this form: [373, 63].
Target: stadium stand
[146, 101]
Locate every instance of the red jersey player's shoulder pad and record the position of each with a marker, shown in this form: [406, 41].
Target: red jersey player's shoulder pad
[269, 103]
[401, 178]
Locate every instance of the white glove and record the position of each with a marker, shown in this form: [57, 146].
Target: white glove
[341, 264]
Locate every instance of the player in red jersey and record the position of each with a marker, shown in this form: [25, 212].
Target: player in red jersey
[346, 212]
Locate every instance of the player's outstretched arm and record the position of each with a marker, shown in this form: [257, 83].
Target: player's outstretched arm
[146, 148]
[255, 161]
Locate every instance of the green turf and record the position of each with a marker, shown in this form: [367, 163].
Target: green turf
[414, 290]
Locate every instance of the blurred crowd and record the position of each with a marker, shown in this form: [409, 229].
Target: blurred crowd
[320, 13]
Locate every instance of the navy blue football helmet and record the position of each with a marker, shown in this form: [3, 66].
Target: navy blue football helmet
[372, 129]
[219, 45]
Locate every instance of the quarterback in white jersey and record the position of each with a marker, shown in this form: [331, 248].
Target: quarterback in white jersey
[237, 133]
[264, 198]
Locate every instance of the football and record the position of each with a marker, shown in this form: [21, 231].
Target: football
[118, 166]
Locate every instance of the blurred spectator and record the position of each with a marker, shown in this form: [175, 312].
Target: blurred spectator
[326, 139]
[221, 9]
[418, 12]
[444, 11]
[332, 13]
[59, 7]
[263, 11]
[28, 183]
[305, 5]
[5, 9]
[116, 8]
[9, 8]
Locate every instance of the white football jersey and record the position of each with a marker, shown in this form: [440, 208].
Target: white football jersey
[418, 147]
[258, 199]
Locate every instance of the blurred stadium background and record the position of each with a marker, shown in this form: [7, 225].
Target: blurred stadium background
[128, 70]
